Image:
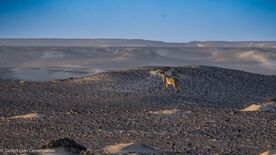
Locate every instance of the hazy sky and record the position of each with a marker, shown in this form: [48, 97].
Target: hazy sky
[166, 20]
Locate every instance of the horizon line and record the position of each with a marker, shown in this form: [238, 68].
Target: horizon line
[178, 42]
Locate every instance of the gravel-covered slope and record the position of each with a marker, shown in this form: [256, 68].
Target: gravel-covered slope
[199, 84]
[115, 107]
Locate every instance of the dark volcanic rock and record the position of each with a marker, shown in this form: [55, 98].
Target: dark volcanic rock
[68, 143]
[201, 84]
[116, 107]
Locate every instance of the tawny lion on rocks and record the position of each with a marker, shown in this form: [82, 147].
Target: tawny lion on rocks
[169, 80]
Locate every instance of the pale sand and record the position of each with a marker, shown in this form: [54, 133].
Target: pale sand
[269, 152]
[154, 72]
[28, 116]
[269, 106]
[129, 148]
[164, 112]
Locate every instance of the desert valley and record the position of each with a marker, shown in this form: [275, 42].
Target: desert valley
[106, 96]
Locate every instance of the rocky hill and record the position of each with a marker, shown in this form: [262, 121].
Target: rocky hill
[130, 108]
[198, 84]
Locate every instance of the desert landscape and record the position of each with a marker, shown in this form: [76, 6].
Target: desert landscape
[106, 96]
[50, 59]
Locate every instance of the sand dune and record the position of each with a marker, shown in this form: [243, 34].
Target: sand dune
[268, 106]
[164, 112]
[269, 152]
[262, 58]
[53, 55]
[28, 116]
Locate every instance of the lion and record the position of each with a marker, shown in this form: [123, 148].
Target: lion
[169, 80]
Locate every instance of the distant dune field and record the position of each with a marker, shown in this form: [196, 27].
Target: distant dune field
[48, 59]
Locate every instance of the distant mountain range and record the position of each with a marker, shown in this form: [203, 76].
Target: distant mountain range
[130, 43]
